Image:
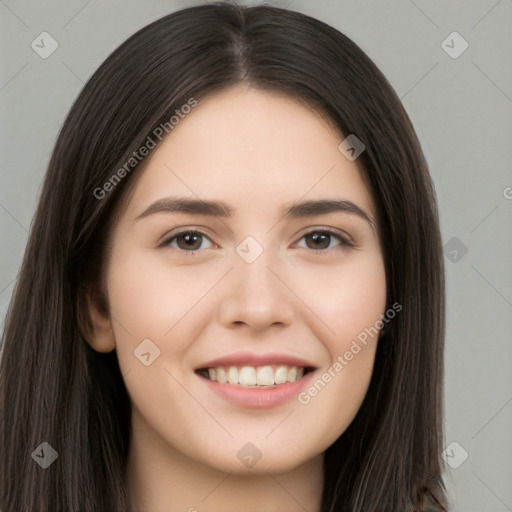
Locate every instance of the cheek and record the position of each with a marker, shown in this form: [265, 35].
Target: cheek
[348, 302]
[335, 396]
[360, 298]
[151, 296]
[351, 303]
[347, 298]
[151, 300]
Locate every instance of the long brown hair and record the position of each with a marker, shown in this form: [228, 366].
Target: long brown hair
[54, 388]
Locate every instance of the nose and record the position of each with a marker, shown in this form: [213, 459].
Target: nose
[256, 294]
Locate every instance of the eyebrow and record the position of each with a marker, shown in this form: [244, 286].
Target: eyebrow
[223, 210]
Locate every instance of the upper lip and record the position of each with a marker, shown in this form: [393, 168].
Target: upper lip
[250, 359]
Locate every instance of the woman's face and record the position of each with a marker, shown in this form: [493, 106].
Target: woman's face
[259, 295]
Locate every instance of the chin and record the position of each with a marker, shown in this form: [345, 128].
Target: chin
[261, 464]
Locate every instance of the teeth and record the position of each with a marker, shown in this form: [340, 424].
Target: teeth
[250, 376]
[281, 375]
[233, 375]
[292, 374]
[265, 376]
[221, 375]
[247, 376]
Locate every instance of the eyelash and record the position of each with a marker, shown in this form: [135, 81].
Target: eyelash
[344, 241]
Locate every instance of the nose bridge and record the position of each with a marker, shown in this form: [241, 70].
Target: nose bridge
[255, 296]
[252, 269]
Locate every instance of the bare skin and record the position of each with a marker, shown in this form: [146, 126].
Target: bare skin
[302, 296]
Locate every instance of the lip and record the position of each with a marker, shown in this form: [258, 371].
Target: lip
[263, 398]
[251, 359]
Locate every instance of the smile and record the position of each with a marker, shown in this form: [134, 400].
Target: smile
[256, 381]
[255, 376]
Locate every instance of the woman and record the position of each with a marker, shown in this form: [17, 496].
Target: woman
[258, 372]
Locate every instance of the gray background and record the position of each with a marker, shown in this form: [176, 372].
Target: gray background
[462, 111]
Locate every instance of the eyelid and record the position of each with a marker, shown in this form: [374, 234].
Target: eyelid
[180, 231]
[345, 239]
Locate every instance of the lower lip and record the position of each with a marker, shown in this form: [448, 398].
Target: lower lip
[264, 398]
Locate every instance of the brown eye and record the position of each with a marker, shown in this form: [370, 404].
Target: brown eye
[321, 240]
[187, 241]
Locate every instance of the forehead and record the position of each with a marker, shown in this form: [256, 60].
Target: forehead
[255, 149]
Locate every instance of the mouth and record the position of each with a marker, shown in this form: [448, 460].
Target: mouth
[255, 377]
[256, 381]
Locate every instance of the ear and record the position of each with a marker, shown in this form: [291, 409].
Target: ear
[95, 322]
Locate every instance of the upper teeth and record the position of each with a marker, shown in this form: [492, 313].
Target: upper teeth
[255, 375]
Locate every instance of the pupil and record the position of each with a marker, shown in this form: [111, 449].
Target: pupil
[189, 239]
[316, 237]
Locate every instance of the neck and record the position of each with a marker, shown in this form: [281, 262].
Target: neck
[161, 478]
